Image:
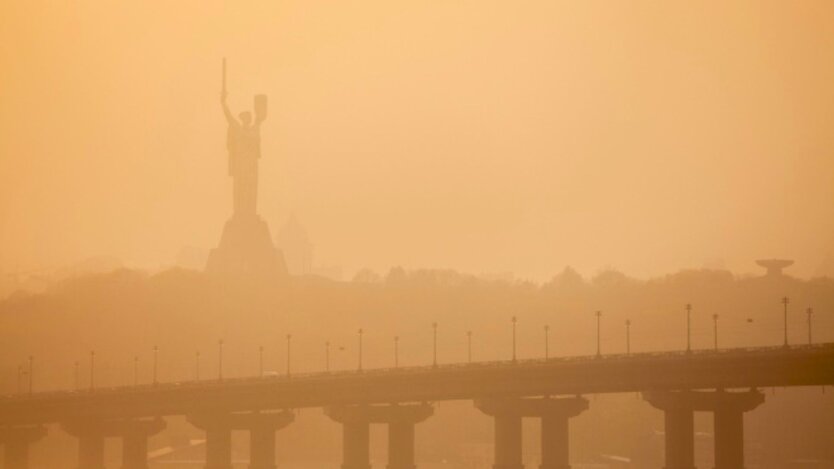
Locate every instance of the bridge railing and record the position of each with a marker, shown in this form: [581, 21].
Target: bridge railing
[417, 369]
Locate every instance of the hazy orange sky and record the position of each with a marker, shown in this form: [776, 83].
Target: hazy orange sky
[476, 135]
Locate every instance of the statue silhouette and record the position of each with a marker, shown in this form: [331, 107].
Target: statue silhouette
[243, 141]
[246, 246]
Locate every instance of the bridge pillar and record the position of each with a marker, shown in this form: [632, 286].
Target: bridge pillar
[729, 427]
[401, 420]
[135, 434]
[554, 414]
[728, 408]
[90, 434]
[261, 427]
[16, 441]
[218, 428]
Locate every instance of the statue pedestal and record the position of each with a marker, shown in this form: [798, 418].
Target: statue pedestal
[246, 249]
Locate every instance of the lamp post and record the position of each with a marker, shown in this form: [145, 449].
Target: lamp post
[546, 342]
[688, 328]
[809, 312]
[514, 326]
[396, 351]
[220, 360]
[715, 331]
[599, 349]
[92, 369]
[155, 363]
[785, 301]
[469, 346]
[434, 341]
[327, 355]
[31, 371]
[261, 361]
[628, 336]
[289, 351]
[360, 349]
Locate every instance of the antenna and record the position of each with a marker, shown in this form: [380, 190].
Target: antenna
[223, 89]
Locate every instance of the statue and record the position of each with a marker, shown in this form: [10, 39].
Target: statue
[246, 245]
[243, 141]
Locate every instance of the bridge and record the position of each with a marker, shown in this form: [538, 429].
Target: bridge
[724, 382]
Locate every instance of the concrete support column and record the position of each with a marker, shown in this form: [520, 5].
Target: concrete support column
[679, 418]
[729, 439]
[728, 408]
[218, 428]
[135, 434]
[262, 448]
[555, 435]
[262, 428]
[135, 452]
[508, 442]
[356, 445]
[401, 445]
[90, 434]
[401, 420]
[91, 451]
[556, 415]
[729, 426]
[680, 438]
[16, 442]
[555, 443]
[218, 447]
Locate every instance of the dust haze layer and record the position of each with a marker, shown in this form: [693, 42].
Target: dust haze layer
[480, 136]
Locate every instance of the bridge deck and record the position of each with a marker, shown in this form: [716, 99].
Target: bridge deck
[729, 368]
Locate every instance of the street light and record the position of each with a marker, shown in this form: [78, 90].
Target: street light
[514, 326]
[155, 363]
[688, 328]
[715, 330]
[628, 336]
[785, 301]
[289, 351]
[327, 356]
[599, 350]
[546, 342]
[809, 312]
[31, 371]
[220, 360]
[434, 328]
[469, 346]
[396, 351]
[360, 349]
[261, 361]
[92, 369]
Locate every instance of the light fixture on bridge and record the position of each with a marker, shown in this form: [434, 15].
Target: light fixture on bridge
[785, 302]
[434, 341]
[688, 328]
[599, 349]
[628, 336]
[360, 348]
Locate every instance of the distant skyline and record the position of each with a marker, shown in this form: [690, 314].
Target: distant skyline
[478, 136]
